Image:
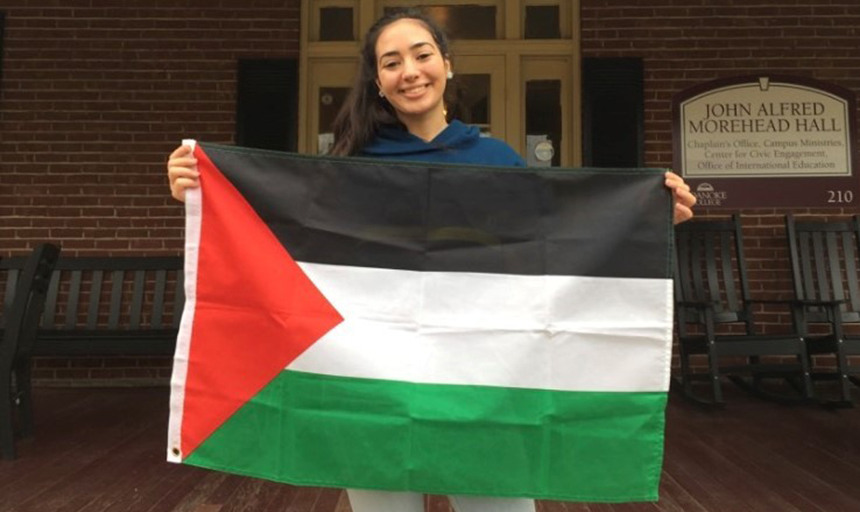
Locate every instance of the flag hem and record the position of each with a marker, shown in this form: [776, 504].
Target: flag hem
[426, 490]
[632, 171]
[193, 220]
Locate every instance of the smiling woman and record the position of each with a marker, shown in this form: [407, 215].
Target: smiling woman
[398, 105]
[397, 110]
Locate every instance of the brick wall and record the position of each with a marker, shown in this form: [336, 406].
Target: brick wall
[93, 97]
[92, 100]
[687, 42]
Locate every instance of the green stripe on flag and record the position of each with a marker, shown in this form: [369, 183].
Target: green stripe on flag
[311, 429]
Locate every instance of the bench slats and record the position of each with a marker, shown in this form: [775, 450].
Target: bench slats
[158, 298]
[116, 298]
[137, 299]
[179, 299]
[11, 284]
[51, 300]
[95, 297]
[74, 297]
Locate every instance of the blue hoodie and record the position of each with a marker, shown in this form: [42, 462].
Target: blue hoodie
[456, 144]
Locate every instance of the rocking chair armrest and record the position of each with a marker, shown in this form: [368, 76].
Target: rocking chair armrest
[828, 303]
[783, 302]
[800, 302]
[698, 304]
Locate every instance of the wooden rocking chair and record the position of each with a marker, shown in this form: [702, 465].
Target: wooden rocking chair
[714, 314]
[827, 285]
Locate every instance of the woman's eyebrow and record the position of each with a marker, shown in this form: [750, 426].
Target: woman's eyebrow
[413, 47]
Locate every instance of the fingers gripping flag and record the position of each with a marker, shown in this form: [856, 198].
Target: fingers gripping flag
[444, 329]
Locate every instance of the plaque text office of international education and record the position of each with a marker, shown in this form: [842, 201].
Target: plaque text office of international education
[767, 141]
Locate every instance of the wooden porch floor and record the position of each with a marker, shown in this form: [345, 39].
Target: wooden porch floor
[99, 450]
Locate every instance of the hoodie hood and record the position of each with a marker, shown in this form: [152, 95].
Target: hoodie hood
[397, 142]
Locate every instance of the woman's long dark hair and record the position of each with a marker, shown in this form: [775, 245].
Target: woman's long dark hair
[364, 111]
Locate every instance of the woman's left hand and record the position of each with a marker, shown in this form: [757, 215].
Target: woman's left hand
[681, 196]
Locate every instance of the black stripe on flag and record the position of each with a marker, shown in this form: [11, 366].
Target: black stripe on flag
[457, 218]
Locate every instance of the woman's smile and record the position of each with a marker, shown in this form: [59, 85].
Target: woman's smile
[414, 90]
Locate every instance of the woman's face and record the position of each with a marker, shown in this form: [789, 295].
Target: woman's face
[411, 71]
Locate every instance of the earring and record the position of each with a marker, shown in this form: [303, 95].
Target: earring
[445, 111]
[450, 75]
[381, 94]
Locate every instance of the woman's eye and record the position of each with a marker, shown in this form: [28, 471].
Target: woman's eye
[390, 65]
[424, 56]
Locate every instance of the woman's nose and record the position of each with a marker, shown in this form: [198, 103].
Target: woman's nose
[410, 69]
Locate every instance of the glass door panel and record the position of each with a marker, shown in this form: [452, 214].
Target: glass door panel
[480, 86]
[473, 100]
[543, 123]
[331, 82]
[462, 20]
[333, 20]
[547, 105]
[330, 101]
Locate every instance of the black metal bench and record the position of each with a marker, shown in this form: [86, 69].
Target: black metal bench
[99, 306]
[28, 284]
[112, 306]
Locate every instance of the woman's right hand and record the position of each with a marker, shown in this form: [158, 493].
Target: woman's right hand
[182, 172]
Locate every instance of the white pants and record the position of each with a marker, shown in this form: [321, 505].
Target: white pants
[387, 501]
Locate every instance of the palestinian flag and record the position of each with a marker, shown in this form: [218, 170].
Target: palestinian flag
[437, 328]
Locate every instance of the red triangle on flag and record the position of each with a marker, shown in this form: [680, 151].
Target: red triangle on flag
[255, 312]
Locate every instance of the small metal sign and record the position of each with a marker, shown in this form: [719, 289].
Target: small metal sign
[767, 141]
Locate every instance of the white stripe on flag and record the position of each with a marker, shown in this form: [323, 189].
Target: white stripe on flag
[542, 332]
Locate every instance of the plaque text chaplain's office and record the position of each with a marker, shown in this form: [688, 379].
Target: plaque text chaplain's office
[767, 141]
